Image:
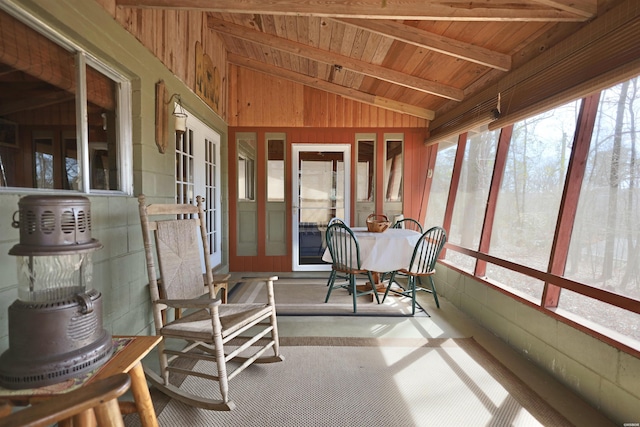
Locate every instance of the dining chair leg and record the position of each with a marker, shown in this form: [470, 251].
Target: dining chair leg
[412, 289]
[332, 279]
[354, 292]
[373, 286]
[386, 292]
[433, 291]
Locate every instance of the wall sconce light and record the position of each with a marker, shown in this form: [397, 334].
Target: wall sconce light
[179, 115]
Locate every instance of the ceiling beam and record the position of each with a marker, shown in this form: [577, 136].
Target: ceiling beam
[331, 58]
[447, 10]
[586, 8]
[365, 98]
[424, 39]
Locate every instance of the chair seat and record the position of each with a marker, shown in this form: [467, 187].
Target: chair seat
[197, 325]
[417, 274]
[348, 270]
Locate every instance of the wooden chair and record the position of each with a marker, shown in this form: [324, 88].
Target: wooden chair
[208, 326]
[345, 258]
[333, 277]
[409, 224]
[423, 263]
[80, 407]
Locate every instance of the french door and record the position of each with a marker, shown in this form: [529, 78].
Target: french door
[198, 174]
[321, 191]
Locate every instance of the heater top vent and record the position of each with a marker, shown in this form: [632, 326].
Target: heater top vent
[54, 225]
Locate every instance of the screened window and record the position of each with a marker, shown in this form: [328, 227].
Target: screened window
[471, 200]
[529, 197]
[40, 143]
[365, 171]
[393, 171]
[441, 181]
[604, 251]
[602, 243]
[275, 170]
[247, 168]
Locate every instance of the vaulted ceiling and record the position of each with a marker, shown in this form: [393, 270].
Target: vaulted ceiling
[420, 57]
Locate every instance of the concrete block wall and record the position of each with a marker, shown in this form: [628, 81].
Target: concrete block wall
[608, 378]
[120, 266]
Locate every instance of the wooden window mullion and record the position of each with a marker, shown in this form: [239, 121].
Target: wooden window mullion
[570, 197]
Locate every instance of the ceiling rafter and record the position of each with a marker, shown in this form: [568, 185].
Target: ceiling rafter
[449, 10]
[424, 39]
[586, 8]
[332, 58]
[345, 92]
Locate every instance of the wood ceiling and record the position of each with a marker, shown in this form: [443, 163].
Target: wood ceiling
[417, 56]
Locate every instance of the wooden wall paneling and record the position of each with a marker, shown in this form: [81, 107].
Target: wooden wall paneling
[193, 34]
[416, 164]
[234, 96]
[299, 105]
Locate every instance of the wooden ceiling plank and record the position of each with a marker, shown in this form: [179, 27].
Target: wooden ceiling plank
[435, 42]
[586, 8]
[353, 94]
[449, 10]
[327, 57]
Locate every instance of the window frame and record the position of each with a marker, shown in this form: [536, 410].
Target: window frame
[83, 59]
[553, 278]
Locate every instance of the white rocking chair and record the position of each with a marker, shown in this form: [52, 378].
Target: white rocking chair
[206, 325]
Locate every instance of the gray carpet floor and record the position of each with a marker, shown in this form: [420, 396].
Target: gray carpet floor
[369, 382]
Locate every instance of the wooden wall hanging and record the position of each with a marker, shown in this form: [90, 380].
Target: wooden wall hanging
[162, 123]
[207, 79]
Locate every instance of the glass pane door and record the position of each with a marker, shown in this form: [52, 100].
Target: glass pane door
[321, 191]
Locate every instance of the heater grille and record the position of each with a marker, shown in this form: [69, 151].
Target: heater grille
[54, 225]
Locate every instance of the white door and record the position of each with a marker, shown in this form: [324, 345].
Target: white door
[320, 178]
[198, 174]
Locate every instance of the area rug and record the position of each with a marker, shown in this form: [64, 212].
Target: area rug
[305, 297]
[369, 382]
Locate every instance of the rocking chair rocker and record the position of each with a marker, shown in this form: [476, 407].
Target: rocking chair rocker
[206, 327]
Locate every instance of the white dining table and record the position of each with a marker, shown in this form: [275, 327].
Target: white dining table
[383, 252]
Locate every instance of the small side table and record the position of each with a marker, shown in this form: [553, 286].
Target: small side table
[127, 358]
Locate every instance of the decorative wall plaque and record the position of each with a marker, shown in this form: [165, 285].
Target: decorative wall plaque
[162, 124]
[207, 79]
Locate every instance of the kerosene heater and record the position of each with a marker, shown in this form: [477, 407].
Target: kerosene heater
[55, 325]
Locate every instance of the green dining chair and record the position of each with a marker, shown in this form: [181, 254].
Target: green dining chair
[345, 256]
[335, 276]
[409, 224]
[423, 263]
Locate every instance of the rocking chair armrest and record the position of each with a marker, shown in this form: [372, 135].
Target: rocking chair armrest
[269, 282]
[189, 303]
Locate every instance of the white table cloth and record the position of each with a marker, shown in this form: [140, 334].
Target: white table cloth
[383, 252]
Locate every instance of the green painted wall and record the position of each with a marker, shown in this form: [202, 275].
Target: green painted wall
[119, 268]
[606, 377]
